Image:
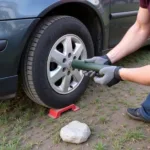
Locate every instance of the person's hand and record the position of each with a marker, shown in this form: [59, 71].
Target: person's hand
[102, 60]
[109, 76]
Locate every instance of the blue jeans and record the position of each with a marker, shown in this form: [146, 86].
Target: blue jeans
[145, 108]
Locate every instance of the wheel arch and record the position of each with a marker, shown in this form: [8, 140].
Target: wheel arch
[97, 29]
[90, 10]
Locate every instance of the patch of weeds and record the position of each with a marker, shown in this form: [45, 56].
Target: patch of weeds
[12, 144]
[3, 140]
[117, 145]
[129, 149]
[100, 146]
[28, 146]
[125, 103]
[94, 113]
[134, 135]
[140, 127]
[124, 125]
[51, 120]
[103, 119]
[56, 138]
[131, 91]
[98, 106]
[101, 135]
[18, 129]
[82, 105]
[55, 134]
[113, 133]
[42, 126]
[114, 108]
[28, 115]
[92, 130]
[139, 98]
[3, 120]
[42, 111]
[97, 100]
[4, 107]
[128, 136]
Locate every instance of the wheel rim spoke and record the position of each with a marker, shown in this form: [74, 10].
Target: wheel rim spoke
[78, 50]
[65, 83]
[68, 45]
[77, 75]
[56, 74]
[57, 56]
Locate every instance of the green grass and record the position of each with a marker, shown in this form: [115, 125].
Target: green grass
[15, 117]
[129, 149]
[12, 144]
[117, 145]
[134, 135]
[103, 119]
[28, 146]
[101, 135]
[56, 138]
[100, 146]
[97, 100]
[114, 108]
[125, 102]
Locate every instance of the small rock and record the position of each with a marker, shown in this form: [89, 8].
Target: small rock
[75, 132]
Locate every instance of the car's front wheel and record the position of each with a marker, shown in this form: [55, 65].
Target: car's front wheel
[48, 78]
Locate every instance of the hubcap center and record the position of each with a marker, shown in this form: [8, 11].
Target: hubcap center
[69, 67]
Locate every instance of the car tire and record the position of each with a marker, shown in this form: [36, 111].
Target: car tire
[35, 63]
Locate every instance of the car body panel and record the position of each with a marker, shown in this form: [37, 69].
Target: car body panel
[19, 18]
[8, 87]
[16, 9]
[120, 25]
[16, 32]
[19, 9]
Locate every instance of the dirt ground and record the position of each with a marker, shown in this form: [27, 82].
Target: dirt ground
[25, 125]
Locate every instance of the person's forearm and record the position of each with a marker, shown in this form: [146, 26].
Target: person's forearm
[138, 75]
[132, 41]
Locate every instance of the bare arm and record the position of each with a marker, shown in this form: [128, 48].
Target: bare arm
[134, 38]
[137, 75]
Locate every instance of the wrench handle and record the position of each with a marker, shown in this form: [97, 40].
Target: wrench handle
[81, 65]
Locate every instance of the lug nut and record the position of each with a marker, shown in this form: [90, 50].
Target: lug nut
[74, 57]
[69, 55]
[64, 69]
[68, 72]
[64, 60]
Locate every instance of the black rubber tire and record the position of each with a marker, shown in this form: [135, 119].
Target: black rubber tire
[34, 70]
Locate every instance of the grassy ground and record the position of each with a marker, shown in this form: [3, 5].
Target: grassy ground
[25, 125]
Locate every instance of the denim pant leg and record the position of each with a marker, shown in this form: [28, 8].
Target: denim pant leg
[145, 108]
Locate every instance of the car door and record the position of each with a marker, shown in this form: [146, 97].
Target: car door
[123, 15]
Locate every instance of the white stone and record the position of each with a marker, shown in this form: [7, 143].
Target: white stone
[75, 132]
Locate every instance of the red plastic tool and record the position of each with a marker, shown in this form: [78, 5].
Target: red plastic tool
[56, 113]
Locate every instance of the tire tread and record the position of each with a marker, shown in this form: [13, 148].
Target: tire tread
[28, 84]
